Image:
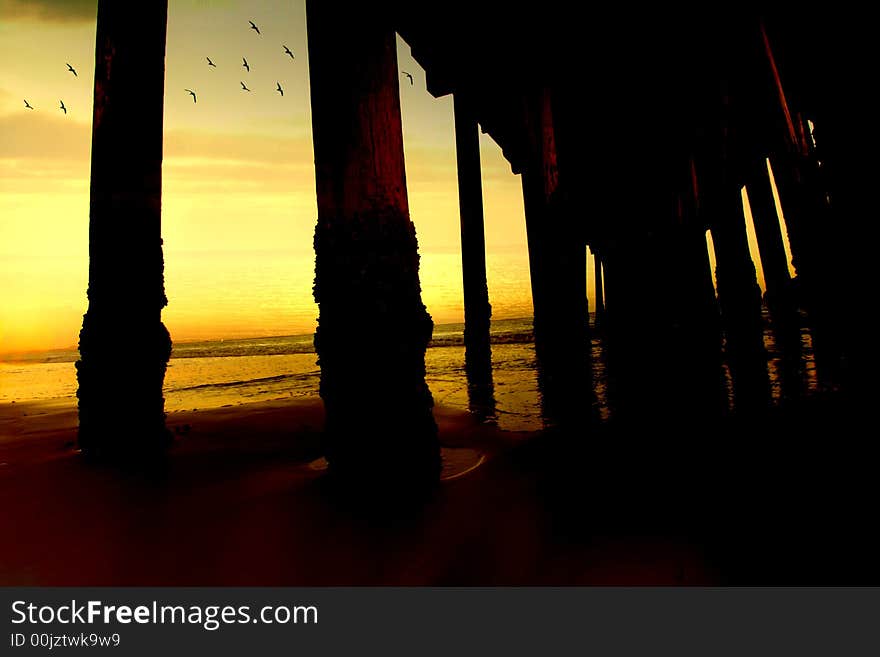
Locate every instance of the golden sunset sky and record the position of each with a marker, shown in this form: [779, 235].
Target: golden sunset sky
[239, 196]
[238, 177]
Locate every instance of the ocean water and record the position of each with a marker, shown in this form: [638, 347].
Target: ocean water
[213, 374]
[218, 373]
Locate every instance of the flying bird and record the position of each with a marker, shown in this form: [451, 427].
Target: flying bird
[287, 52]
[210, 63]
[72, 70]
[279, 89]
[409, 75]
[63, 108]
[254, 27]
[246, 65]
[191, 93]
[244, 87]
[27, 104]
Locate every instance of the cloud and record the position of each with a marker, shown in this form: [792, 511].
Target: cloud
[37, 135]
[261, 149]
[43, 135]
[72, 11]
[43, 152]
[62, 11]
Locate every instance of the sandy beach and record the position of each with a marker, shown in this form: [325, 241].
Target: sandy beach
[244, 502]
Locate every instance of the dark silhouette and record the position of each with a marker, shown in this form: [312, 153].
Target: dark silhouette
[210, 63]
[408, 75]
[191, 93]
[245, 64]
[557, 266]
[121, 413]
[287, 52]
[678, 122]
[72, 70]
[362, 199]
[779, 297]
[254, 27]
[477, 311]
[27, 105]
[62, 108]
[600, 293]
[739, 298]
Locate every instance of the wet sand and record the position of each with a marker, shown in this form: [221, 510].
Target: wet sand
[244, 501]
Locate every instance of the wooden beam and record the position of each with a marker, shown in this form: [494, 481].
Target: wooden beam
[373, 327]
[124, 347]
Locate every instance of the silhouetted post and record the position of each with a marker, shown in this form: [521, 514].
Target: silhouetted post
[740, 299]
[695, 227]
[769, 237]
[600, 291]
[124, 347]
[802, 221]
[558, 267]
[557, 258]
[692, 330]
[477, 311]
[373, 327]
[814, 235]
[812, 238]
[535, 208]
[844, 201]
[774, 261]
[827, 183]
[661, 293]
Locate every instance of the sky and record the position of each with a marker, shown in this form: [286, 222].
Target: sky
[238, 177]
[238, 208]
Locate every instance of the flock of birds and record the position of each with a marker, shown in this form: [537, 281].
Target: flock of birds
[191, 92]
[246, 67]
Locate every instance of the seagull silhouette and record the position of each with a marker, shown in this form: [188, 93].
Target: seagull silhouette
[287, 52]
[244, 87]
[210, 63]
[72, 70]
[409, 75]
[279, 89]
[27, 104]
[63, 108]
[254, 27]
[191, 93]
[246, 65]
